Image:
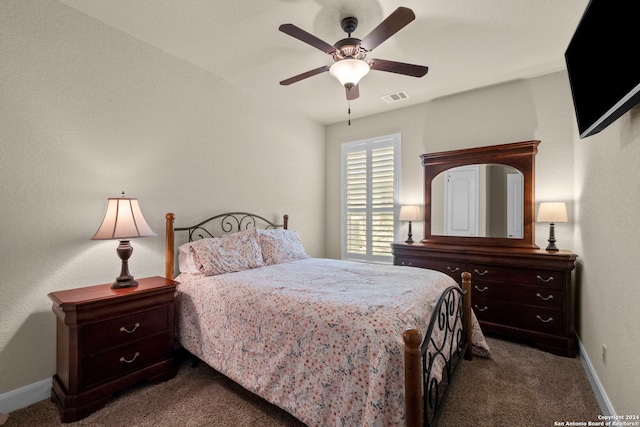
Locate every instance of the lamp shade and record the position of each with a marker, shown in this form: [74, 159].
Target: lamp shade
[552, 212]
[349, 71]
[410, 213]
[123, 220]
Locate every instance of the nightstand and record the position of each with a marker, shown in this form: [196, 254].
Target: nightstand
[110, 339]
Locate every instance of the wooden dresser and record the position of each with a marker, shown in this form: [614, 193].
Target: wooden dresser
[110, 339]
[479, 216]
[516, 292]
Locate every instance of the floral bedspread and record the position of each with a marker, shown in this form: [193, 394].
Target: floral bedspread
[320, 338]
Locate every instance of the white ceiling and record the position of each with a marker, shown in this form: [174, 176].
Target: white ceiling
[467, 44]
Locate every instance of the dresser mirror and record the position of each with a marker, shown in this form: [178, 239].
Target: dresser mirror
[481, 196]
[483, 200]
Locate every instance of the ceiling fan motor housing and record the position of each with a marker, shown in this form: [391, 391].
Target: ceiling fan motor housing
[348, 48]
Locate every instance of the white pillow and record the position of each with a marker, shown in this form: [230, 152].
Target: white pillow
[229, 253]
[186, 263]
[280, 246]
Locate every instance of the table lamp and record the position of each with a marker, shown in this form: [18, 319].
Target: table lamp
[123, 220]
[552, 212]
[410, 213]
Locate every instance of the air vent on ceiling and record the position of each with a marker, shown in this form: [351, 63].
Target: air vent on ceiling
[395, 97]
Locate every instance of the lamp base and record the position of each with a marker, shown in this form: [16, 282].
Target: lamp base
[552, 247]
[552, 238]
[410, 235]
[124, 283]
[125, 280]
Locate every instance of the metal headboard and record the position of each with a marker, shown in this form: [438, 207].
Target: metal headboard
[230, 222]
[215, 226]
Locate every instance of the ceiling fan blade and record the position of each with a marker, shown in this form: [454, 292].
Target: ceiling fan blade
[302, 35]
[398, 67]
[352, 93]
[303, 76]
[391, 25]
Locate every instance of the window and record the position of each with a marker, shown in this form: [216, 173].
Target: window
[370, 171]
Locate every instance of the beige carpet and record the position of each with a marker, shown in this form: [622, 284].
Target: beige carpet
[519, 386]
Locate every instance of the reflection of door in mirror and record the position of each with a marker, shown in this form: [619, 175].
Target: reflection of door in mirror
[479, 200]
[461, 201]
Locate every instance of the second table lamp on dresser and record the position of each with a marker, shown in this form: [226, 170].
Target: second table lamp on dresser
[552, 212]
[410, 213]
[123, 220]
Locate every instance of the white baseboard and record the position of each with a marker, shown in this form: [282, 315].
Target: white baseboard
[606, 407]
[25, 396]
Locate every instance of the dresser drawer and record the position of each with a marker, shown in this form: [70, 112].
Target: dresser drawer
[453, 269]
[120, 360]
[531, 295]
[518, 276]
[538, 319]
[109, 333]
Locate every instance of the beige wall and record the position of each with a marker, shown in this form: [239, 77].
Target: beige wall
[598, 178]
[518, 111]
[87, 112]
[607, 183]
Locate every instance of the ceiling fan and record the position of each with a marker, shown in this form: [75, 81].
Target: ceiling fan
[349, 54]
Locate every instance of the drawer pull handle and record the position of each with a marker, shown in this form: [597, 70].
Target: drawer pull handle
[453, 270]
[543, 298]
[481, 274]
[550, 319]
[481, 309]
[545, 280]
[483, 289]
[123, 329]
[135, 356]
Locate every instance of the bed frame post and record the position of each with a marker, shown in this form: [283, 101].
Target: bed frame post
[412, 377]
[169, 246]
[466, 308]
[286, 222]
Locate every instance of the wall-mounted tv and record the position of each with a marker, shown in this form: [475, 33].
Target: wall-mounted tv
[602, 64]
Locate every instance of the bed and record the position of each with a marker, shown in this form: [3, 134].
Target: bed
[334, 343]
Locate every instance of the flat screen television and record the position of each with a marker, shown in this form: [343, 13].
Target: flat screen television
[602, 60]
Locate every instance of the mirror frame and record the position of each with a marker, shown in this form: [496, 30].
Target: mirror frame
[519, 155]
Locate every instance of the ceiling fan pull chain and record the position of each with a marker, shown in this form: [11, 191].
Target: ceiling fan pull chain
[349, 113]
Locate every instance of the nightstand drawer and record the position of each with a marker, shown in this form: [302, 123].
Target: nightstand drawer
[109, 333]
[120, 360]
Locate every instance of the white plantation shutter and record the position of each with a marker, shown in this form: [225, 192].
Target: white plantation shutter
[370, 194]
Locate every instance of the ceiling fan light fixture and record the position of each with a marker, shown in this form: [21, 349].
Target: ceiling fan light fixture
[349, 71]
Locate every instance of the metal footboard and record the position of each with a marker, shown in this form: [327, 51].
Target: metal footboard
[430, 364]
